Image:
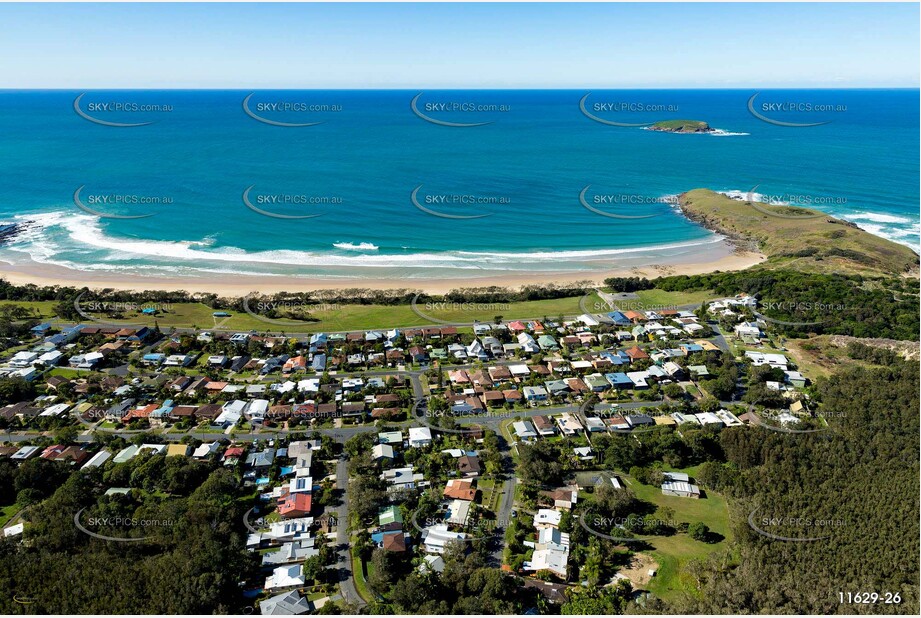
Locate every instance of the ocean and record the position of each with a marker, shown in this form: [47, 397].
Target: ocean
[430, 183]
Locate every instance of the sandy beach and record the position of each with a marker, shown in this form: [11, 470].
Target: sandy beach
[241, 285]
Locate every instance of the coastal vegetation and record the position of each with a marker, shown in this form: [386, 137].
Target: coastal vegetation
[798, 238]
[799, 304]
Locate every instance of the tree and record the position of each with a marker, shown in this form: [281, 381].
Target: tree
[699, 531]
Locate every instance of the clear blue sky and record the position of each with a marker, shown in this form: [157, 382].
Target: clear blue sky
[453, 45]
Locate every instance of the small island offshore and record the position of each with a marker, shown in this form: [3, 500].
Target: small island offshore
[682, 126]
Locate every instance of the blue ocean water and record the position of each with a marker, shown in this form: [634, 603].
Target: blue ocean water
[520, 173]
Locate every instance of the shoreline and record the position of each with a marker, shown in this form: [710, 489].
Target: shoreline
[241, 285]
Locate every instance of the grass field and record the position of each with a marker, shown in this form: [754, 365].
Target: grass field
[674, 552]
[40, 309]
[663, 299]
[341, 317]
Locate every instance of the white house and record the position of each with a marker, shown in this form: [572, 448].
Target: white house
[420, 436]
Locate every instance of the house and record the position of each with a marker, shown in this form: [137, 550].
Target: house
[556, 388]
[528, 344]
[126, 453]
[597, 383]
[97, 460]
[469, 466]
[640, 420]
[568, 424]
[564, 497]
[432, 563]
[593, 423]
[458, 512]
[296, 504]
[709, 419]
[544, 425]
[524, 430]
[286, 577]
[638, 378]
[795, 378]
[420, 437]
[231, 413]
[403, 478]
[284, 604]
[390, 437]
[698, 371]
[382, 451]
[460, 489]
[535, 393]
[289, 530]
[435, 539]
[636, 353]
[291, 552]
[394, 541]
[205, 450]
[673, 370]
[682, 489]
[747, 329]
[261, 461]
[619, 380]
[553, 560]
[547, 518]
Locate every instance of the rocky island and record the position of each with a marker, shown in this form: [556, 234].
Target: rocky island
[682, 126]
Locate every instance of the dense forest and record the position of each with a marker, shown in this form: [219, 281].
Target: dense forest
[853, 487]
[190, 562]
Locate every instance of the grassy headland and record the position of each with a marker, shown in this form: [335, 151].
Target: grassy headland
[799, 238]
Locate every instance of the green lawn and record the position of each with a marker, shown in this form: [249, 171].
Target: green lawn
[674, 552]
[7, 512]
[66, 373]
[660, 298]
[40, 309]
[360, 584]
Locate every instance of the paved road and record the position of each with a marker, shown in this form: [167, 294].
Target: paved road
[343, 544]
[504, 514]
[718, 338]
